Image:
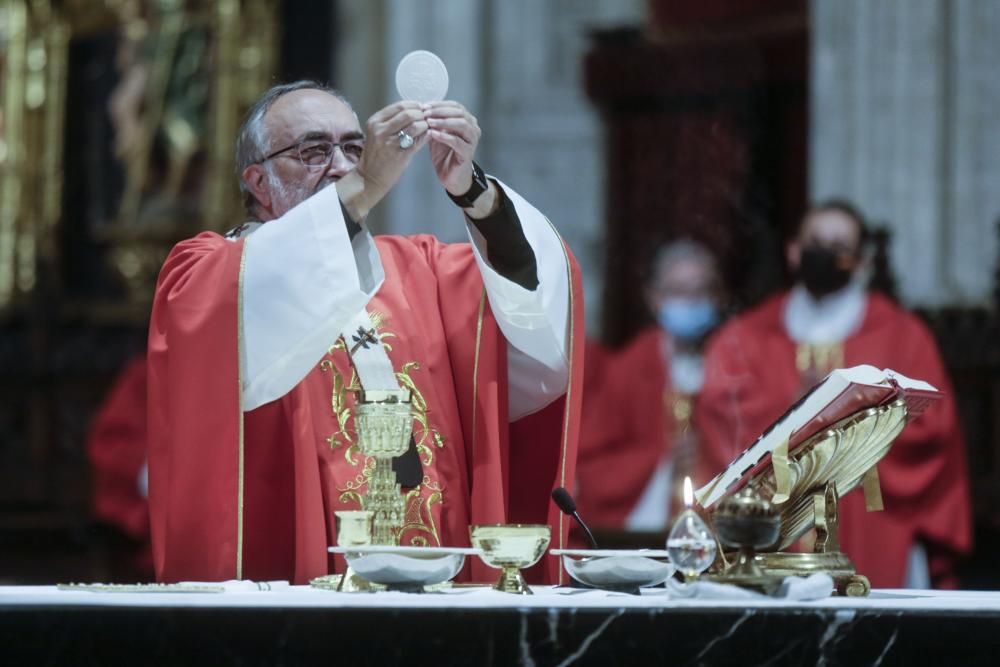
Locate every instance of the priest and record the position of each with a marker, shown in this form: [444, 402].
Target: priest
[260, 341]
[637, 442]
[761, 362]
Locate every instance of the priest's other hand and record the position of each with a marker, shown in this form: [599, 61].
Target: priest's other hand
[384, 159]
[454, 135]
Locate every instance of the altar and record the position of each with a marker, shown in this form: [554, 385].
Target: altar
[241, 625]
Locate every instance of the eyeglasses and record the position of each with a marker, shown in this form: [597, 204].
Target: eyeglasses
[317, 153]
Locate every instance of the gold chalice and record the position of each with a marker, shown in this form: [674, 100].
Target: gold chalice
[511, 547]
[384, 432]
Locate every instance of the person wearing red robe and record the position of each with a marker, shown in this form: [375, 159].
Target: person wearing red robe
[636, 440]
[116, 449]
[759, 363]
[251, 387]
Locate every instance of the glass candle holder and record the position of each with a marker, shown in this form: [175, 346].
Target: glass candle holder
[691, 545]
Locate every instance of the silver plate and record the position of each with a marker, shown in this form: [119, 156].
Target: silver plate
[618, 569]
[405, 567]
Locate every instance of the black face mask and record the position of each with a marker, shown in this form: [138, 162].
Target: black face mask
[819, 272]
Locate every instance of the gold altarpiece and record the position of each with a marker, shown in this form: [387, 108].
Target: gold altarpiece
[118, 121]
[186, 73]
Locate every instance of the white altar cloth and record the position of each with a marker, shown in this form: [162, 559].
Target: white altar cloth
[486, 598]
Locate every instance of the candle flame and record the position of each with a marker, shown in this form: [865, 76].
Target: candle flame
[688, 492]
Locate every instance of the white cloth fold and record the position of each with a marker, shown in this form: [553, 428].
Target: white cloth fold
[241, 585]
[303, 280]
[814, 587]
[534, 322]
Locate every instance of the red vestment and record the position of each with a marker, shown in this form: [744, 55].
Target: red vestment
[116, 447]
[751, 378]
[254, 497]
[626, 428]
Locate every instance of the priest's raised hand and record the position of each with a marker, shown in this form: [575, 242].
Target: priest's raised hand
[393, 135]
[454, 135]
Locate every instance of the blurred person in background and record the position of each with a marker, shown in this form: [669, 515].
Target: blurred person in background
[637, 441]
[116, 449]
[762, 361]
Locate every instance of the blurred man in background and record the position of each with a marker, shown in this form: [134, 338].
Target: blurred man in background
[762, 361]
[637, 442]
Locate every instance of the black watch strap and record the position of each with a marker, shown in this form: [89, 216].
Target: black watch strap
[478, 187]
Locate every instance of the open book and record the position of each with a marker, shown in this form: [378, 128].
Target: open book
[844, 392]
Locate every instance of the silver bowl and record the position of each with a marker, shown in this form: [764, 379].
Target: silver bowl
[407, 569]
[618, 569]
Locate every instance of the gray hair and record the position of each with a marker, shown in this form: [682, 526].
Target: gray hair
[252, 140]
[682, 249]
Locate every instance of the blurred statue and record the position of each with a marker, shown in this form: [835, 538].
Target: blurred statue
[159, 110]
[181, 73]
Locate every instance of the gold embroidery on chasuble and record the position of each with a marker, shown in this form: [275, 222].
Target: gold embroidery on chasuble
[684, 442]
[419, 525]
[815, 361]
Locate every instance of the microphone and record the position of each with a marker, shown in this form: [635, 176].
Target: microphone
[566, 503]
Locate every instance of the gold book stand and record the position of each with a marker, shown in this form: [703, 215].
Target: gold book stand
[814, 477]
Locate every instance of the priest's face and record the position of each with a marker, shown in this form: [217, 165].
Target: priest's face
[305, 121]
[684, 297]
[685, 277]
[827, 251]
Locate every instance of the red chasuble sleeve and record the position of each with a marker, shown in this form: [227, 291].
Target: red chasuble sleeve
[194, 412]
[544, 445]
[513, 467]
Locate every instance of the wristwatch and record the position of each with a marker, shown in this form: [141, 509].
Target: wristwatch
[478, 187]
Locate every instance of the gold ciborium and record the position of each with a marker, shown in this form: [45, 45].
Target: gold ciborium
[384, 422]
[511, 547]
[354, 529]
